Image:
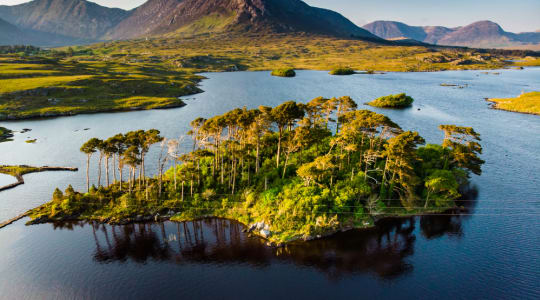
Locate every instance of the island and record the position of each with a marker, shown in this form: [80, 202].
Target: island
[392, 101]
[285, 72]
[289, 173]
[5, 134]
[528, 103]
[342, 71]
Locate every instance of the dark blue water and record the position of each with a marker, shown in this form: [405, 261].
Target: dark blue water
[491, 252]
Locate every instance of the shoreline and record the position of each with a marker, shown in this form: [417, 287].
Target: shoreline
[9, 118]
[255, 229]
[28, 170]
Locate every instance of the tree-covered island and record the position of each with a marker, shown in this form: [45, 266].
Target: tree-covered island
[292, 172]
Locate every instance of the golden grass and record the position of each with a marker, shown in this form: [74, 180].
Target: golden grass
[525, 103]
[23, 84]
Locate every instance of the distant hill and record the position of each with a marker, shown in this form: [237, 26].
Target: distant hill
[78, 19]
[157, 17]
[10, 34]
[14, 35]
[483, 34]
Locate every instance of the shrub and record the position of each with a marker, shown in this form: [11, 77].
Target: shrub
[342, 71]
[392, 101]
[286, 72]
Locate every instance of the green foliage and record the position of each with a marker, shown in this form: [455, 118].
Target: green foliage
[323, 181]
[392, 101]
[342, 71]
[286, 72]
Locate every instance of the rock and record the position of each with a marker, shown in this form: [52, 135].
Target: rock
[265, 233]
[252, 227]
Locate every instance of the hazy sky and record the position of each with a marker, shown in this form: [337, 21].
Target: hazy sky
[512, 15]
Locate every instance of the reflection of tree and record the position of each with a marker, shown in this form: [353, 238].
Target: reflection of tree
[437, 226]
[382, 250]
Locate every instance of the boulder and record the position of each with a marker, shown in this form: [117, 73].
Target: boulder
[265, 233]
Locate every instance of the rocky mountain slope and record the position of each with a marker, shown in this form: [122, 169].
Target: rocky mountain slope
[200, 16]
[79, 19]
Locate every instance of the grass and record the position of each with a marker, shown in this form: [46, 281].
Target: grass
[153, 73]
[525, 103]
[285, 72]
[17, 170]
[85, 85]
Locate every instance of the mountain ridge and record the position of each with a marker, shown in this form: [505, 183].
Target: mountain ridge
[481, 34]
[83, 20]
[240, 15]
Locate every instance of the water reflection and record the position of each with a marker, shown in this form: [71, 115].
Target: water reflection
[382, 250]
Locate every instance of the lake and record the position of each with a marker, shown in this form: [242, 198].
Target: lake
[492, 251]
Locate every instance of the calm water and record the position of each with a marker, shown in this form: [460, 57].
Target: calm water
[493, 252]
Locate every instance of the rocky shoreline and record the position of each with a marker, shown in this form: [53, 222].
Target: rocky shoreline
[259, 229]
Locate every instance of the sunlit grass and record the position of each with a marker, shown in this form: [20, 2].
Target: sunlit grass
[525, 103]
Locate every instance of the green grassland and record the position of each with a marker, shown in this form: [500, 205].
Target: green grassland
[526, 103]
[66, 86]
[153, 73]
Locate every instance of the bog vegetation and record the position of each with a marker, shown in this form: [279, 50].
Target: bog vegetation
[525, 103]
[342, 71]
[301, 170]
[392, 101]
[153, 73]
[285, 72]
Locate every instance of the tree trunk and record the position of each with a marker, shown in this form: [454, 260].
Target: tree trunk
[88, 173]
[279, 146]
[114, 167]
[175, 176]
[107, 170]
[257, 157]
[120, 167]
[99, 169]
[285, 167]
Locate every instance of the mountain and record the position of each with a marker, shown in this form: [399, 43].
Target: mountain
[10, 34]
[13, 35]
[483, 34]
[144, 19]
[393, 30]
[158, 17]
[79, 19]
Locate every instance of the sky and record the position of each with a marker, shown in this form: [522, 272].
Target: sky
[512, 15]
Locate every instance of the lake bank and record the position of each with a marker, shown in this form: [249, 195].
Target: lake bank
[19, 171]
[526, 103]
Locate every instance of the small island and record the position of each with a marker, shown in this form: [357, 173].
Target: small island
[285, 72]
[292, 172]
[528, 103]
[392, 101]
[342, 71]
[5, 134]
